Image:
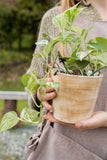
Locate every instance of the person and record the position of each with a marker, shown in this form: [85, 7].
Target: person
[87, 139]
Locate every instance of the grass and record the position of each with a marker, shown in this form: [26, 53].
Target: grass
[8, 85]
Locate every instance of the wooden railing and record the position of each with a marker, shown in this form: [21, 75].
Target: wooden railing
[10, 98]
[13, 95]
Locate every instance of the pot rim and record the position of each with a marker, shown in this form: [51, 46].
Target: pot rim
[79, 76]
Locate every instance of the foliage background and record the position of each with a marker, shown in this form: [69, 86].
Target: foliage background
[19, 26]
[19, 18]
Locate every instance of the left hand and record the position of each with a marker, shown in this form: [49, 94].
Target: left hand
[98, 119]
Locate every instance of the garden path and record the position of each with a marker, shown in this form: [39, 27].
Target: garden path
[12, 142]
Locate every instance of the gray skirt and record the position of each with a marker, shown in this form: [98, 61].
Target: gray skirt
[52, 143]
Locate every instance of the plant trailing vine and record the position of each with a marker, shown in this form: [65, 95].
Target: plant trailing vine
[87, 59]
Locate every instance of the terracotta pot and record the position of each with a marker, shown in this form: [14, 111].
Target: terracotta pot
[76, 96]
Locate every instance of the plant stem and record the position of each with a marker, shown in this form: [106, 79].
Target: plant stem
[50, 69]
[33, 98]
[46, 67]
[98, 70]
[43, 94]
[65, 68]
[34, 101]
[67, 51]
[81, 72]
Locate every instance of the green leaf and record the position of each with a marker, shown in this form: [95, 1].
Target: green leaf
[91, 45]
[74, 56]
[33, 85]
[37, 55]
[76, 29]
[49, 47]
[66, 19]
[82, 55]
[84, 33]
[79, 41]
[46, 35]
[25, 78]
[8, 121]
[102, 42]
[66, 37]
[49, 84]
[99, 58]
[76, 64]
[29, 116]
[75, 40]
[42, 43]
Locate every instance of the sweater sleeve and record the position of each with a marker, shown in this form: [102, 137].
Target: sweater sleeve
[38, 64]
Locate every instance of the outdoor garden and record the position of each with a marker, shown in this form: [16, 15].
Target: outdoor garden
[19, 26]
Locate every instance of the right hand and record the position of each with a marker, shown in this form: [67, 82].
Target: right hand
[49, 95]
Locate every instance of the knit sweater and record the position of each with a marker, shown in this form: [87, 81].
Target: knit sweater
[47, 27]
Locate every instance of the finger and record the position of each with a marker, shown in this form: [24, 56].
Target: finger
[44, 90]
[85, 124]
[49, 93]
[93, 122]
[48, 90]
[49, 96]
[47, 105]
[49, 116]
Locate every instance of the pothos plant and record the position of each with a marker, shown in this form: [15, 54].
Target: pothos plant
[87, 59]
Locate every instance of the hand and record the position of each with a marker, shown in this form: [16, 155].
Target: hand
[50, 94]
[98, 119]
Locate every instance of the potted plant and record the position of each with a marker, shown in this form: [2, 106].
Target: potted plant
[77, 83]
[80, 79]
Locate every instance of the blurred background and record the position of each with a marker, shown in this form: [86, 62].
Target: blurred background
[19, 26]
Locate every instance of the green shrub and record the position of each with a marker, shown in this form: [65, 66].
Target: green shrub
[21, 18]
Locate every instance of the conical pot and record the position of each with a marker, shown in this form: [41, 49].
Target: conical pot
[76, 96]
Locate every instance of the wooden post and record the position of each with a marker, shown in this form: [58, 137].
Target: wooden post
[11, 105]
[10, 98]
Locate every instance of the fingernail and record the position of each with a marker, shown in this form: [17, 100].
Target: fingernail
[79, 125]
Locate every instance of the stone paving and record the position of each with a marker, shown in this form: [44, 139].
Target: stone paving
[12, 142]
